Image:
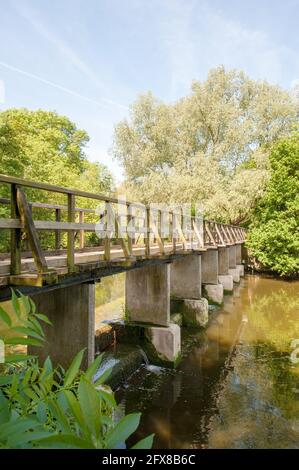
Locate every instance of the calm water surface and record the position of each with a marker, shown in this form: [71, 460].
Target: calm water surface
[236, 386]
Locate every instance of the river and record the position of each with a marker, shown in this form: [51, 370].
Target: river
[238, 383]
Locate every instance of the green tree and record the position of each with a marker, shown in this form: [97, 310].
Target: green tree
[46, 147]
[210, 147]
[274, 233]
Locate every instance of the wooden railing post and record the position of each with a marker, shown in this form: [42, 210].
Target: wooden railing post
[57, 232]
[71, 233]
[173, 231]
[129, 223]
[82, 232]
[29, 227]
[108, 234]
[15, 236]
[147, 236]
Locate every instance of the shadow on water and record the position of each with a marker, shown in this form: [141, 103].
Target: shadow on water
[236, 386]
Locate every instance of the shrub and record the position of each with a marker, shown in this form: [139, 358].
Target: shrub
[46, 407]
[274, 233]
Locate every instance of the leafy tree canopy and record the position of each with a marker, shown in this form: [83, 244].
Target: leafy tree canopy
[44, 146]
[210, 147]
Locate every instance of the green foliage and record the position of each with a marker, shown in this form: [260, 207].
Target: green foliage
[274, 233]
[209, 147]
[46, 407]
[46, 147]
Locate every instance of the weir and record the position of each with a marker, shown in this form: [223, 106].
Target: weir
[192, 263]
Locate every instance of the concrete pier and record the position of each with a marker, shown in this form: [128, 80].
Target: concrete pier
[223, 260]
[209, 270]
[238, 253]
[185, 278]
[148, 295]
[232, 256]
[212, 290]
[224, 278]
[233, 270]
[71, 311]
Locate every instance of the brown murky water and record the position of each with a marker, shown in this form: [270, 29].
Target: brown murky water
[237, 386]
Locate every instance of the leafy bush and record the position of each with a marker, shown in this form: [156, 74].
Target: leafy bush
[274, 233]
[46, 407]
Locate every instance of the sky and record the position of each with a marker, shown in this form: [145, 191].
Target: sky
[90, 59]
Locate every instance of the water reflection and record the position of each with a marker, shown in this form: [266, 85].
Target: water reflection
[236, 385]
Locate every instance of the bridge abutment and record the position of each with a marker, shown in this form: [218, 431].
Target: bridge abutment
[71, 311]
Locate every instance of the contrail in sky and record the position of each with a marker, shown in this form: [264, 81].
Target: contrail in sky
[62, 88]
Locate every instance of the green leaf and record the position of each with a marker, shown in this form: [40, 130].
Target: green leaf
[41, 412]
[43, 318]
[24, 341]
[90, 404]
[25, 301]
[89, 374]
[108, 398]
[23, 330]
[18, 426]
[5, 379]
[5, 317]
[34, 324]
[102, 379]
[61, 419]
[75, 409]
[74, 368]
[64, 441]
[12, 358]
[15, 304]
[124, 428]
[145, 443]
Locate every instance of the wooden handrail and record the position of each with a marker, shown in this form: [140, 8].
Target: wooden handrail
[183, 228]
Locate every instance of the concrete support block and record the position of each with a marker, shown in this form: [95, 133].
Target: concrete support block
[209, 267]
[195, 312]
[235, 273]
[71, 311]
[185, 277]
[240, 267]
[232, 256]
[238, 253]
[214, 293]
[148, 295]
[223, 260]
[165, 344]
[227, 282]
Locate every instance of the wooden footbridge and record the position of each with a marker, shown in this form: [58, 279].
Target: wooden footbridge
[63, 240]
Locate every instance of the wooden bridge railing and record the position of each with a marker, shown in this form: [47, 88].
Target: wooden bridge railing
[119, 222]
